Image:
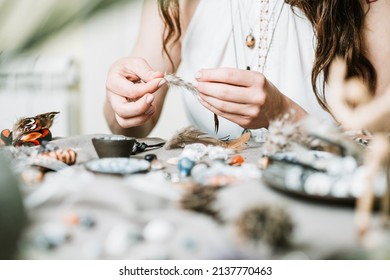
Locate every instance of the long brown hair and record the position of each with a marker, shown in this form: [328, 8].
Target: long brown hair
[337, 24]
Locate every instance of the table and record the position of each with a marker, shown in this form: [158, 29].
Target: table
[133, 221]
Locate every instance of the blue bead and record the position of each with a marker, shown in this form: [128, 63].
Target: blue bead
[185, 165]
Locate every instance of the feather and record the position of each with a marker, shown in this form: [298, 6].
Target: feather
[190, 135]
[27, 125]
[174, 81]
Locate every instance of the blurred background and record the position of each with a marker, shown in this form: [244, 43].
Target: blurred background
[55, 55]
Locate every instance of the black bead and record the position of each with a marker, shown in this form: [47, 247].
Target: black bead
[150, 157]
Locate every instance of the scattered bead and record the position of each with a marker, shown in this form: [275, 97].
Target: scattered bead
[87, 221]
[156, 165]
[150, 157]
[236, 160]
[185, 165]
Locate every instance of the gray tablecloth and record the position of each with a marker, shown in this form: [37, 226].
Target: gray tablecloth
[139, 217]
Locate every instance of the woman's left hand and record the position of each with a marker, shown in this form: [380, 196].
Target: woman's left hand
[244, 97]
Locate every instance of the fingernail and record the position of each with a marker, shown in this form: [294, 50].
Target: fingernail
[195, 83]
[149, 111]
[163, 81]
[198, 75]
[149, 99]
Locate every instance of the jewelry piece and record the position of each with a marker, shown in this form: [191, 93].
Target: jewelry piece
[250, 40]
[175, 81]
[267, 29]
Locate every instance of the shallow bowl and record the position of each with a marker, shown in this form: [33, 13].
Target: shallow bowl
[113, 146]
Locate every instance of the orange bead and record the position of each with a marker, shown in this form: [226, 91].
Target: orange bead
[236, 160]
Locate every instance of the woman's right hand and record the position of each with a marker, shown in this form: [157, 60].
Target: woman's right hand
[130, 85]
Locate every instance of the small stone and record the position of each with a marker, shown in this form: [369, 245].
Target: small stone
[236, 160]
[157, 231]
[218, 153]
[87, 221]
[156, 165]
[250, 41]
[173, 161]
[185, 165]
[150, 157]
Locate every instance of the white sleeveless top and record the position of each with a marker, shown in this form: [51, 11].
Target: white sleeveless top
[216, 38]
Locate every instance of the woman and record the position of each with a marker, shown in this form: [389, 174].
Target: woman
[251, 61]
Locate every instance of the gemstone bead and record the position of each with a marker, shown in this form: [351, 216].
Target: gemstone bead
[150, 157]
[236, 160]
[185, 165]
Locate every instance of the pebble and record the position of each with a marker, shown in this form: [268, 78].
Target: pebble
[236, 160]
[150, 157]
[185, 165]
[157, 231]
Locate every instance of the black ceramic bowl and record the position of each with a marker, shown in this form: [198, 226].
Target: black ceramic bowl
[113, 146]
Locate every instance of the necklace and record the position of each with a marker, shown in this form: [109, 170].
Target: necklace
[266, 23]
[250, 40]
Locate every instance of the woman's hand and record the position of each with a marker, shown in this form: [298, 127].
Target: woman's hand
[244, 97]
[130, 85]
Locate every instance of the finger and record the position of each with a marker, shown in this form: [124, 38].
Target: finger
[241, 120]
[231, 107]
[126, 109]
[141, 69]
[136, 121]
[227, 92]
[230, 76]
[121, 86]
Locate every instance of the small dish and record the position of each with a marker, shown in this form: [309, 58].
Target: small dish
[113, 146]
[118, 166]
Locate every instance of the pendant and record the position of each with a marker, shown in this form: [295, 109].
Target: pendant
[250, 41]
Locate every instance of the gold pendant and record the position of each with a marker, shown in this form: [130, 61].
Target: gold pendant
[250, 41]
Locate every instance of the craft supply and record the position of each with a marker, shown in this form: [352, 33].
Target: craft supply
[185, 165]
[87, 221]
[33, 130]
[237, 160]
[269, 224]
[150, 157]
[67, 156]
[174, 81]
[201, 199]
[190, 135]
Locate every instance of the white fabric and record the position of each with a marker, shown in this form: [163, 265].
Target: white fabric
[209, 43]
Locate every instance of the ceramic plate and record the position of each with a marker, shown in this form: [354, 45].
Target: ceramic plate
[120, 166]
